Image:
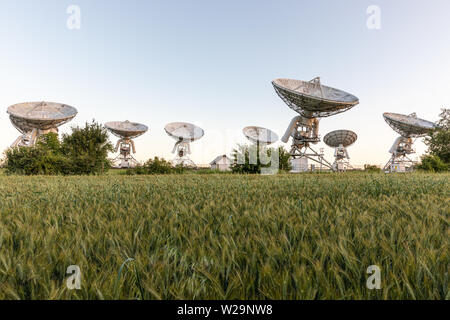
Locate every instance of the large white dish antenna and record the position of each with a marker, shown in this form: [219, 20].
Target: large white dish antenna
[408, 126]
[126, 129]
[41, 115]
[337, 138]
[340, 140]
[182, 131]
[313, 100]
[260, 135]
[34, 119]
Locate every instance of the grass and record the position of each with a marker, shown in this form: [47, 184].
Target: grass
[309, 236]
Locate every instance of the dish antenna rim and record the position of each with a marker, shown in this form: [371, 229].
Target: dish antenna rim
[247, 131]
[21, 114]
[126, 133]
[408, 126]
[196, 132]
[343, 137]
[311, 105]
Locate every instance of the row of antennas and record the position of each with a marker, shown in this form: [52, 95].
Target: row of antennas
[313, 101]
[310, 99]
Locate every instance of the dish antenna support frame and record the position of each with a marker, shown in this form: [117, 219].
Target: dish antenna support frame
[401, 150]
[304, 131]
[341, 159]
[182, 150]
[125, 158]
[409, 127]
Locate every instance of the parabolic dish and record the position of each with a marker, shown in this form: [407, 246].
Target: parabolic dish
[311, 99]
[41, 115]
[258, 134]
[335, 138]
[126, 129]
[408, 126]
[22, 126]
[183, 131]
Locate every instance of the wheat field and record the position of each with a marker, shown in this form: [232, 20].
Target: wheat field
[194, 236]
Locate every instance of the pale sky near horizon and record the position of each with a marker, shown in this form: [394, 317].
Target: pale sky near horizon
[211, 63]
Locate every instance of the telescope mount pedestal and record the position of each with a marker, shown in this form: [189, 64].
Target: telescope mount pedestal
[341, 162]
[304, 132]
[400, 160]
[182, 149]
[125, 158]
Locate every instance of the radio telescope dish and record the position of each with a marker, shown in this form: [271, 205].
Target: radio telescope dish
[409, 127]
[340, 140]
[312, 101]
[126, 131]
[23, 127]
[34, 119]
[260, 135]
[337, 138]
[184, 133]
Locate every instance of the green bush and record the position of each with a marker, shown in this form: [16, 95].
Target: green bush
[433, 164]
[88, 149]
[84, 151]
[156, 166]
[371, 168]
[438, 141]
[244, 153]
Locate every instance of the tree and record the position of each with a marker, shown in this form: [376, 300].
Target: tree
[438, 141]
[45, 158]
[285, 159]
[88, 148]
[432, 163]
[371, 168]
[247, 159]
[84, 151]
[156, 166]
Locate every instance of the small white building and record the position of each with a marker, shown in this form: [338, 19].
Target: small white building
[221, 163]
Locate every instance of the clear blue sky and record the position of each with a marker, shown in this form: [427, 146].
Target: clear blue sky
[212, 62]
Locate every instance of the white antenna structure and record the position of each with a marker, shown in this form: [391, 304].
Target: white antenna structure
[34, 119]
[312, 101]
[184, 133]
[126, 131]
[340, 140]
[409, 127]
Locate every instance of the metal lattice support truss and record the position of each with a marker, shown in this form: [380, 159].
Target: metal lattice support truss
[400, 150]
[400, 159]
[182, 149]
[125, 159]
[304, 132]
[29, 138]
[304, 150]
[342, 165]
